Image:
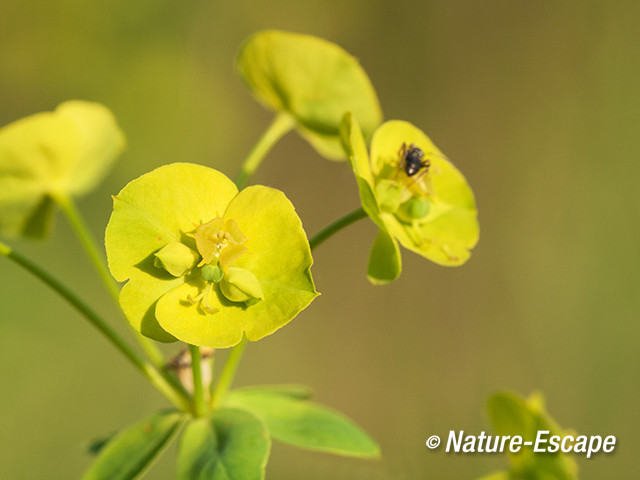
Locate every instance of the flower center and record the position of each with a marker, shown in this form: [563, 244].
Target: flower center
[403, 184]
[219, 242]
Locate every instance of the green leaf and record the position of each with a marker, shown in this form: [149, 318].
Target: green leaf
[131, 452]
[313, 80]
[385, 262]
[230, 445]
[95, 446]
[305, 424]
[53, 155]
[510, 416]
[300, 392]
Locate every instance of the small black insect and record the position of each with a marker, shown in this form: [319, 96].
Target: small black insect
[411, 160]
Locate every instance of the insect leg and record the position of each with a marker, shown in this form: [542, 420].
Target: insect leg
[402, 153]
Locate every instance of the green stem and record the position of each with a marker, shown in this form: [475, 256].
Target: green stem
[88, 242]
[282, 124]
[228, 372]
[211, 367]
[335, 227]
[198, 390]
[147, 369]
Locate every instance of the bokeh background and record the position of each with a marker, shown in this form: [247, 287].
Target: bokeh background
[538, 103]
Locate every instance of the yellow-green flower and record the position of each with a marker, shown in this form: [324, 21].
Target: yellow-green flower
[428, 208]
[204, 263]
[48, 157]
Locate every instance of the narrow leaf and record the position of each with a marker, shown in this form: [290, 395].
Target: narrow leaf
[132, 451]
[300, 392]
[96, 445]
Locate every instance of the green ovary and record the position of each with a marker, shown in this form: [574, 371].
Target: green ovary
[405, 197]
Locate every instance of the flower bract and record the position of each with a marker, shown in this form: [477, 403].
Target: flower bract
[414, 194]
[204, 263]
[49, 156]
[313, 81]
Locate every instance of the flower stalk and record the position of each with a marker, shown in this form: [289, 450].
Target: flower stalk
[231, 366]
[281, 125]
[199, 402]
[335, 227]
[88, 242]
[148, 370]
[227, 374]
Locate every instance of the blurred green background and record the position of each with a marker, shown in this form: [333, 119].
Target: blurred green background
[538, 103]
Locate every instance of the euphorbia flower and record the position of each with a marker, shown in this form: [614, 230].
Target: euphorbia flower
[50, 156]
[430, 210]
[205, 263]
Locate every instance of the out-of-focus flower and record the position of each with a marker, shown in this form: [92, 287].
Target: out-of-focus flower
[312, 82]
[414, 194]
[48, 157]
